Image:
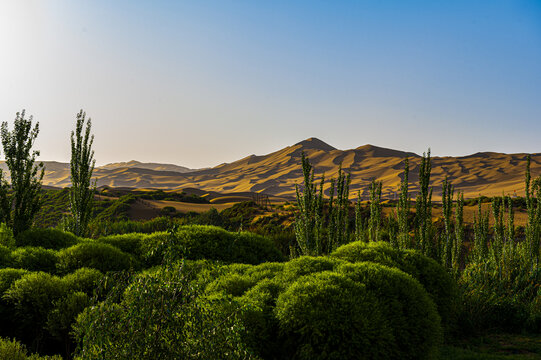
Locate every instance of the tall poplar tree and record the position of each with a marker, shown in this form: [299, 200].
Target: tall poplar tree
[82, 166]
[20, 205]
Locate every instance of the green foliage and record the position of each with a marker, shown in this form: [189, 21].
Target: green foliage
[209, 242]
[5, 257]
[6, 236]
[128, 243]
[308, 220]
[161, 315]
[32, 297]
[423, 209]
[46, 238]
[81, 166]
[20, 206]
[236, 281]
[306, 265]
[435, 279]
[117, 210]
[35, 259]
[329, 316]
[102, 257]
[338, 224]
[374, 223]
[84, 279]
[502, 294]
[403, 240]
[410, 313]
[14, 350]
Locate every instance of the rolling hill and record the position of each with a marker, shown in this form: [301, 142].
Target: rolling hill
[486, 173]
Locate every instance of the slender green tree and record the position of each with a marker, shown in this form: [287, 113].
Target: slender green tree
[82, 166]
[22, 203]
[423, 205]
[481, 234]
[459, 232]
[375, 211]
[339, 211]
[359, 223]
[403, 210]
[308, 220]
[447, 208]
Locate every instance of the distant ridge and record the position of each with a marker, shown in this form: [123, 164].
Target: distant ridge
[149, 166]
[277, 173]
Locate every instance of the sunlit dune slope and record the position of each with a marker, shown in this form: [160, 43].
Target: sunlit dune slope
[486, 173]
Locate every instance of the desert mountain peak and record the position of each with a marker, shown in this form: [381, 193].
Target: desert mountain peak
[315, 144]
[376, 151]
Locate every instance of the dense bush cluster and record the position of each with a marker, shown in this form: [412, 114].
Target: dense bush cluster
[324, 307]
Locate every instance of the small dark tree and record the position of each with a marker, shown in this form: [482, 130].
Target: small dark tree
[24, 201]
[403, 209]
[82, 165]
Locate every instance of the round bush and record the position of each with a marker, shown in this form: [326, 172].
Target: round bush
[306, 265]
[83, 279]
[94, 255]
[128, 243]
[46, 238]
[152, 247]
[9, 276]
[410, 312]
[32, 297]
[262, 328]
[213, 243]
[251, 248]
[35, 259]
[435, 279]
[239, 279]
[329, 316]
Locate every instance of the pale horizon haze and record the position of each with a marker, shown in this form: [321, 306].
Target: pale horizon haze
[199, 83]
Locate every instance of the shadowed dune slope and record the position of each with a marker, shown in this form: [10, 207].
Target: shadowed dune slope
[486, 173]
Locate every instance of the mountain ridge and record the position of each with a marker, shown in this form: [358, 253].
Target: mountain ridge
[278, 172]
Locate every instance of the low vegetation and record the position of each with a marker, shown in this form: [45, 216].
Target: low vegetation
[324, 278]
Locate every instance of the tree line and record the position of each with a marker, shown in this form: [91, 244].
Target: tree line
[20, 197]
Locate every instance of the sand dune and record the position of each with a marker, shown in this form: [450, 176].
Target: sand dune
[485, 173]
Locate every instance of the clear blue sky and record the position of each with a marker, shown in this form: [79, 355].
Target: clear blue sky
[198, 83]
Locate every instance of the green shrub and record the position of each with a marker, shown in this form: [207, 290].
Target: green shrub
[500, 297]
[46, 238]
[209, 242]
[435, 279]
[32, 297]
[239, 279]
[63, 315]
[83, 279]
[6, 236]
[254, 249]
[94, 255]
[329, 316]
[262, 328]
[128, 243]
[161, 315]
[410, 312]
[306, 265]
[152, 246]
[5, 257]
[34, 259]
[7, 278]
[14, 350]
